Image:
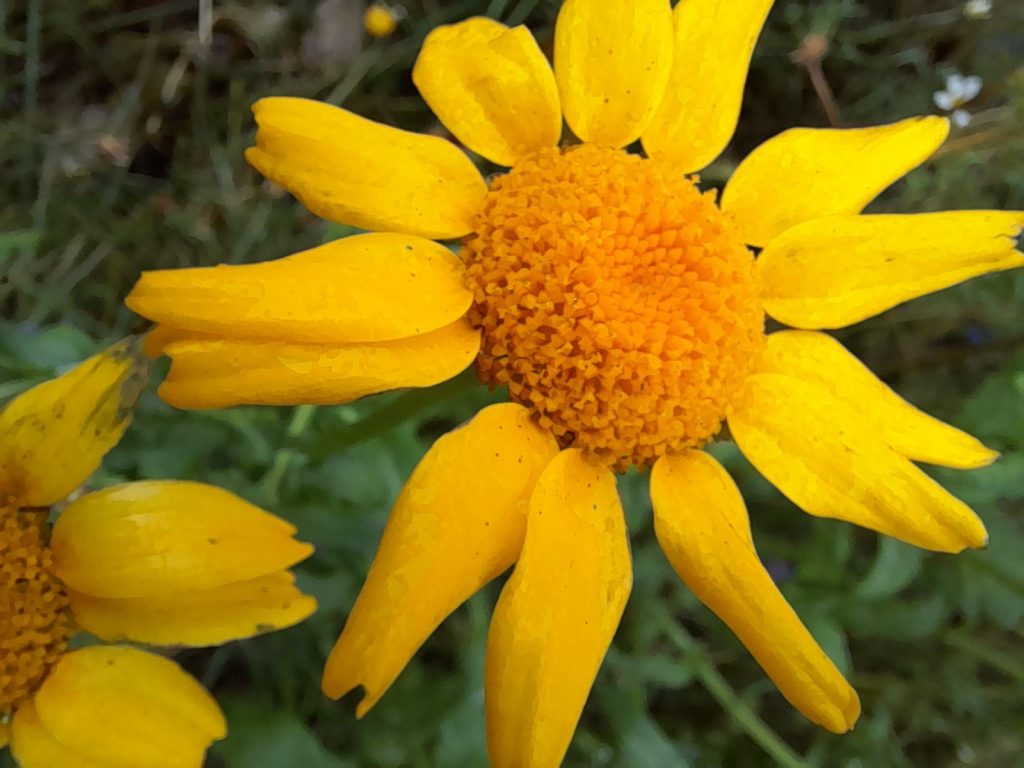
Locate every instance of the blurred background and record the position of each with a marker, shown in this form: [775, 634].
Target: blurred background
[123, 125]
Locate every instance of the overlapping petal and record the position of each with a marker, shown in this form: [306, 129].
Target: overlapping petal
[821, 360]
[197, 617]
[217, 373]
[55, 435]
[34, 747]
[613, 61]
[492, 88]
[373, 287]
[557, 613]
[838, 270]
[164, 537]
[125, 708]
[352, 170]
[807, 173]
[458, 523]
[702, 525]
[821, 453]
[714, 40]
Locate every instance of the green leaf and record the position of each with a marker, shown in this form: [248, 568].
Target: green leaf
[895, 567]
[272, 739]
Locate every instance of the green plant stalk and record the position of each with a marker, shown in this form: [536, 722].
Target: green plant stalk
[706, 672]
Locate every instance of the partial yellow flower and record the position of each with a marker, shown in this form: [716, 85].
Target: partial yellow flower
[624, 310]
[155, 562]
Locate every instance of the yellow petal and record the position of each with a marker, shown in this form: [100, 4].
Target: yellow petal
[701, 522]
[612, 62]
[839, 270]
[119, 706]
[821, 360]
[219, 373]
[458, 523]
[821, 453]
[557, 614]
[714, 40]
[373, 287]
[365, 174]
[807, 173]
[55, 435]
[34, 747]
[492, 87]
[167, 537]
[197, 617]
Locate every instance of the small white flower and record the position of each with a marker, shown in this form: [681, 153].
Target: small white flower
[959, 90]
[978, 9]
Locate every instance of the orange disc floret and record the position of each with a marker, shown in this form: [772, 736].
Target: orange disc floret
[615, 299]
[35, 615]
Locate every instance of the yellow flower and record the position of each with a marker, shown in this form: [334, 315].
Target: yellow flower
[380, 20]
[154, 562]
[624, 311]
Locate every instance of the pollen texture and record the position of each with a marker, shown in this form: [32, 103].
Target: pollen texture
[35, 617]
[615, 299]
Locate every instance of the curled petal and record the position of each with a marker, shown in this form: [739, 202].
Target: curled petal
[165, 537]
[198, 617]
[839, 270]
[821, 453]
[807, 173]
[702, 525]
[557, 613]
[714, 40]
[612, 62]
[458, 523]
[355, 171]
[374, 287]
[164, 718]
[820, 359]
[217, 373]
[492, 87]
[55, 435]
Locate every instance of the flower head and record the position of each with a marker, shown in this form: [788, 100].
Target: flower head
[624, 309]
[381, 20]
[155, 562]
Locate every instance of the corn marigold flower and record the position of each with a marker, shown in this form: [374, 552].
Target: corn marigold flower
[624, 310]
[155, 562]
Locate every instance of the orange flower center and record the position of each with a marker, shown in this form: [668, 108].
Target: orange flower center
[615, 299]
[35, 614]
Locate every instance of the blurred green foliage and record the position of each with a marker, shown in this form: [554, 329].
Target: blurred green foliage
[121, 150]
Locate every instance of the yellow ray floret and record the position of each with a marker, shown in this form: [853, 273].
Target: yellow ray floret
[216, 373]
[161, 538]
[839, 270]
[807, 173]
[492, 88]
[714, 40]
[612, 63]
[557, 613]
[459, 523]
[821, 453]
[164, 718]
[56, 434]
[702, 525]
[355, 171]
[374, 287]
[821, 360]
[197, 617]
[37, 748]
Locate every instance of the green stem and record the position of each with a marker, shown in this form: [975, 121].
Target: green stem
[302, 416]
[972, 646]
[723, 693]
